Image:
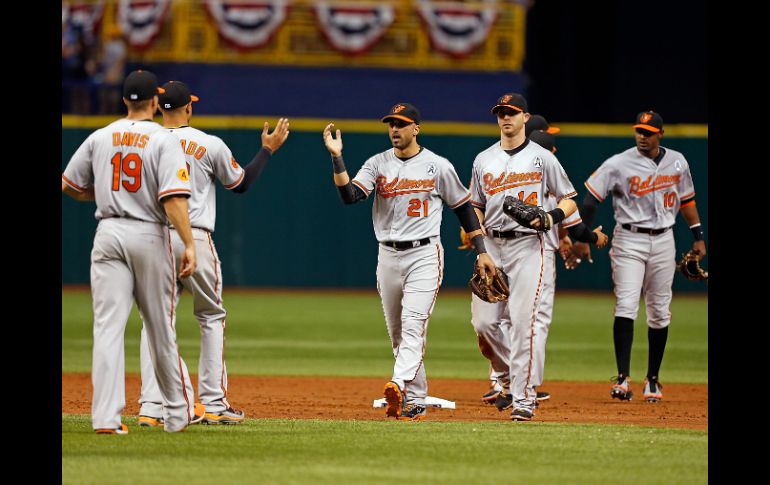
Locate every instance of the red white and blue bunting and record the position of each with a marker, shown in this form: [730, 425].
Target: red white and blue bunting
[83, 16]
[141, 20]
[247, 25]
[353, 28]
[456, 28]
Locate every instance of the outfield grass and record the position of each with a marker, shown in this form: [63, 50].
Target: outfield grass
[323, 451]
[345, 335]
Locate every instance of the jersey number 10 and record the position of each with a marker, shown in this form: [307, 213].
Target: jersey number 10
[131, 166]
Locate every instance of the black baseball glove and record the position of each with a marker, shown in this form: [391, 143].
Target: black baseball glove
[492, 289]
[525, 214]
[689, 266]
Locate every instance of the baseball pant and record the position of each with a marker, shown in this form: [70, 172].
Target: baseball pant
[408, 282]
[643, 263]
[544, 316]
[206, 287]
[523, 259]
[132, 260]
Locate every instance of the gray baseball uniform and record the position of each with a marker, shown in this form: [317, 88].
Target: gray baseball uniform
[645, 195]
[530, 173]
[208, 158]
[132, 165]
[410, 196]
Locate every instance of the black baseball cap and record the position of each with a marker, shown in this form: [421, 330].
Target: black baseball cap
[544, 139]
[403, 111]
[140, 85]
[650, 121]
[539, 123]
[511, 100]
[176, 94]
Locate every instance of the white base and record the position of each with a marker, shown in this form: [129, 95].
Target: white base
[430, 402]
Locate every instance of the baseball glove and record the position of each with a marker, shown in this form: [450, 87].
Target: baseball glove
[465, 240]
[492, 289]
[689, 266]
[525, 214]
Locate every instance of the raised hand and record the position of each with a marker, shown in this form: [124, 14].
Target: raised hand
[334, 145]
[602, 241]
[274, 140]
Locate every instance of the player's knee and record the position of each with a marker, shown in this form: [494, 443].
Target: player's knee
[658, 320]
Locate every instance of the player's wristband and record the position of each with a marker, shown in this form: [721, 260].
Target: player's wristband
[697, 232]
[338, 164]
[557, 215]
[478, 244]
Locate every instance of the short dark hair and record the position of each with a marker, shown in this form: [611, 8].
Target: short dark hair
[138, 105]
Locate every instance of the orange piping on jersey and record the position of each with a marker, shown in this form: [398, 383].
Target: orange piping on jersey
[687, 204]
[534, 314]
[72, 184]
[463, 201]
[425, 322]
[578, 221]
[237, 182]
[360, 186]
[404, 192]
[510, 186]
[478, 204]
[173, 191]
[687, 196]
[594, 192]
[219, 301]
[568, 196]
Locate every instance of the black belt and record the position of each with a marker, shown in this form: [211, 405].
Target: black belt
[510, 234]
[645, 230]
[401, 245]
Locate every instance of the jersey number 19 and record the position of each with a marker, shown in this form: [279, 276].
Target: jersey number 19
[131, 166]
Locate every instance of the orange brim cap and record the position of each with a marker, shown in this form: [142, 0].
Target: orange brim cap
[398, 117]
[507, 106]
[553, 130]
[648, 127]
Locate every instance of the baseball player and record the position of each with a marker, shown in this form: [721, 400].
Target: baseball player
[539, 123]
[498, 337]
[515, 166]
[411, 184]
[208, 159]
[135, 170]
[649, 184]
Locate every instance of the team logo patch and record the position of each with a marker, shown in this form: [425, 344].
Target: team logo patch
[538, 162]
[432, 170]
[645, 117]
[235, 164]
[183, 175]
[678, 165]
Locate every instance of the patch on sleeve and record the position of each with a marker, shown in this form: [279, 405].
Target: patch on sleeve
[183, 175]
[235, 164]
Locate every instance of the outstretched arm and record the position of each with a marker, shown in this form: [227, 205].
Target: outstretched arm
[349, 193]
[271, 142]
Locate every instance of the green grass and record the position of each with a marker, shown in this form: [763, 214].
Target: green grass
[324, 451]
[345, 335]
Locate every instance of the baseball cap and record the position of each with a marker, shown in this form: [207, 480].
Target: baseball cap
[539, 123]
[511, 100]
[403, 111]
[140, 85]
[176, 94]
[544, 139]
[649, 120]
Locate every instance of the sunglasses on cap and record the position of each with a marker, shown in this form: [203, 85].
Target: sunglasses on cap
[644, 132]
[503, 112]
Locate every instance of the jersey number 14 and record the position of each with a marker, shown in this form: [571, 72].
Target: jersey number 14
[131, 166]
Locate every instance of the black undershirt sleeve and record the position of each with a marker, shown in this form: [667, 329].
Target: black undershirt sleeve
[253, 170]
[350, 194]
[581, 232]
[588, 211]
[470, 222]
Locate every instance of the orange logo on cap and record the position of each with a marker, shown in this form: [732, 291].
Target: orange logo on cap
[645, 117]
[506, 98]
[398, 108]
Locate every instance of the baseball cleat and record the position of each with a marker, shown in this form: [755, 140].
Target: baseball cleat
[543, 396]
[489, 397]
[413, 412]
[652, 390]
[199, 412]
[521, 414]
[149, 421]
[395, 399]
[122, 430]
[503, 401]
[622, 388]
[228, 416]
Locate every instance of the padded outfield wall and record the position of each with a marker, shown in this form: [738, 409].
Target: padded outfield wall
[291, 229]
